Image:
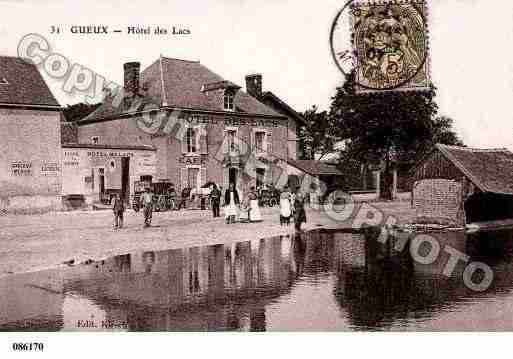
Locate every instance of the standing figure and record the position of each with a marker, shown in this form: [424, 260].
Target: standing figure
[299, 209]
[118, 208]
[254, 209]
[285, 206]
[147, 203]
[231, 201]
[215, 196]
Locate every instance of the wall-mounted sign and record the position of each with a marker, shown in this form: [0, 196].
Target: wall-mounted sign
[109, 154]
[21, 168]
[146, 163]
[50, 169]
[193, 160]
[71, 159]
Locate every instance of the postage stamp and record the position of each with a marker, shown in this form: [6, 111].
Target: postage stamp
[386, 45]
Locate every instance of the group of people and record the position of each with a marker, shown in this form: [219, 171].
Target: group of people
[118, 208]
[292, 206]
[247, 209]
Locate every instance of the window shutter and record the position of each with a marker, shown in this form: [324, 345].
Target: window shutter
[269, 142]
[202, 145]
[183, 176]
[203, 176]
[226, 142]
[184, 141]
[225, 178]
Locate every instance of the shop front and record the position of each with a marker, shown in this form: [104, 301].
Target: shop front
[96, 173]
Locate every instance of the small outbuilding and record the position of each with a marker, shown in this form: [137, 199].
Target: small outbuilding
[315, 176]
[461, 185]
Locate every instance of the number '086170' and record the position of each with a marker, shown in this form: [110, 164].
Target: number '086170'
[27, 346]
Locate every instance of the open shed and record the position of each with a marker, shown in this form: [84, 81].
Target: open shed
[461, 185]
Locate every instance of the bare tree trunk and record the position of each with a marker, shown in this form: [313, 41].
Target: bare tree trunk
[386, 193]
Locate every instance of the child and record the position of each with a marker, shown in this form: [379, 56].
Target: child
[118, 209]
[285, 207]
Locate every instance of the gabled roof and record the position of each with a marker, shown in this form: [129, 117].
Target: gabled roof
[315, 168]
[22, 84]
[181, 84]
[284, 107]
[490, 170]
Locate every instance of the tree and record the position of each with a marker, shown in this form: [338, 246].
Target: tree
[392, 127]
[78, 111]
[317, 136]
[443, 132]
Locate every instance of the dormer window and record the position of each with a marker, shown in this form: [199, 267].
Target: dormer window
[3, 81]
[228, 100]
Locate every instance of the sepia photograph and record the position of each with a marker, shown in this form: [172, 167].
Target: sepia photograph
[324, 167]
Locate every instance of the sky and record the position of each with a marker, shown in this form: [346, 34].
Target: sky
[471, 49]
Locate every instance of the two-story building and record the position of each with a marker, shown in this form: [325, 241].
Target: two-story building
[203, 127]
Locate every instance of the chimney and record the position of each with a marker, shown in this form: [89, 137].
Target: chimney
[254, 85]
[132, 77]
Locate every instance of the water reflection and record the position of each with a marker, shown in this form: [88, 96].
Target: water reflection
[313, 281]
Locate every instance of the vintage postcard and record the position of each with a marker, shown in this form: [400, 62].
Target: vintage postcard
[255, 166]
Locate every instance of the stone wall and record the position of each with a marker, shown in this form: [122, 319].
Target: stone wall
[30, 159]
[438, 201]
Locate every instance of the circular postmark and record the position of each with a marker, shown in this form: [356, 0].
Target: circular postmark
[385, 44]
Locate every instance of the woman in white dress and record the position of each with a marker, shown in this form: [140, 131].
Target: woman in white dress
[254, 209]
[231, 201]
[285, 206]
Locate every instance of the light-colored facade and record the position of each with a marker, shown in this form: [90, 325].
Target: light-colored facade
[30, 155]
[92, 170]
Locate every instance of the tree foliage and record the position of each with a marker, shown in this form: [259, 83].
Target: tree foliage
[318, 136]
[392, 127]
[73, 113]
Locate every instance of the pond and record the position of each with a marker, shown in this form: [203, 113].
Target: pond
[316, 281]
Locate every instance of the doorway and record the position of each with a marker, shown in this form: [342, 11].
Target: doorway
[125, 177]
[232, 176]
[101, 183]
[260, 175]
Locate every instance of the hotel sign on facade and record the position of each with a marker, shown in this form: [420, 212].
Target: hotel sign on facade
[83, 167]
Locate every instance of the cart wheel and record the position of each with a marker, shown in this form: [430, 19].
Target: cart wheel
[156, 207]
[162, 204]
[272, 202]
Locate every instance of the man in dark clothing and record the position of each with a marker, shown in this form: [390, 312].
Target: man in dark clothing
[215, 196]
[118, 208]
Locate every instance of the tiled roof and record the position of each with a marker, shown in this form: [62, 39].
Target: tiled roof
[284, 107]
[179, 83]
[489, 170]
[314, 167]
[21, 83]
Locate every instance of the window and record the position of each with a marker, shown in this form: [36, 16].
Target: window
[190, 139]
[259, 141]
[95, 140]
[231, 136]
[228, 101]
